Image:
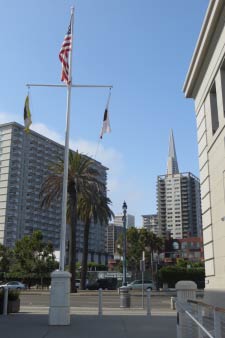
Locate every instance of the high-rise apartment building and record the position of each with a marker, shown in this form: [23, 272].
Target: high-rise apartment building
[24, 162]
[178, 200]
[130, 221]
[205, 83]
[150, 222]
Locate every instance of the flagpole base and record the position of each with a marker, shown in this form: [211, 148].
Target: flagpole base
[59, 310]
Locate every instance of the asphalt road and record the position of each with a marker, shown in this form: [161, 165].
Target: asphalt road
[86, 299]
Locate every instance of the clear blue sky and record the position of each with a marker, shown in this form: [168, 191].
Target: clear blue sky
[143, 48]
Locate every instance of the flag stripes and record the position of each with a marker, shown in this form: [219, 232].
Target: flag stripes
[64, 55]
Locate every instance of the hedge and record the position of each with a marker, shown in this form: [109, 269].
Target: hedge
[172, 274]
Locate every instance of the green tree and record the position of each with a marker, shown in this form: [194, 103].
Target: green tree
[92, 207]
[81, 177]
[139, 240]
[92, 266]
[32, 258]
[182, 263]
[6, 256]
[133, 249]
[151, 244]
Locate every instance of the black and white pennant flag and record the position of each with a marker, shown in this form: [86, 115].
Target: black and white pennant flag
[106, 124]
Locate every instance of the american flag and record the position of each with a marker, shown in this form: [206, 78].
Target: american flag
[64, 55]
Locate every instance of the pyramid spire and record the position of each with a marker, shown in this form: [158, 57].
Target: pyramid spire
[172, 165]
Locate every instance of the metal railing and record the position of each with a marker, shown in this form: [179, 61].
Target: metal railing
[200, 320]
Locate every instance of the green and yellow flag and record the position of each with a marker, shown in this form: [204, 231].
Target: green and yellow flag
[27, 115]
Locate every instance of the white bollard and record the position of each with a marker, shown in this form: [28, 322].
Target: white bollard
[148, 302]
[172, 303]
[59, 310]
[5, 303]
[185, 290]
[100, 302]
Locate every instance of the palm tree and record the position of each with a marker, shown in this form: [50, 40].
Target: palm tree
[81, 177]
[93, 207]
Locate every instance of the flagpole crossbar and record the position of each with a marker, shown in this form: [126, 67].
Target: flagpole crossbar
[64, 85]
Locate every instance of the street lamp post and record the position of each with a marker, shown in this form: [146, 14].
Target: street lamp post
[124, 243]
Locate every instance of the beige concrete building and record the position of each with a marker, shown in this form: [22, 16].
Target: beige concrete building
[205, 83]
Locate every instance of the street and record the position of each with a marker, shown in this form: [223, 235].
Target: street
[111, 299]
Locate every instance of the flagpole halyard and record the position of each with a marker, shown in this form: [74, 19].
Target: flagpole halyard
[109, 96]
[97, 148]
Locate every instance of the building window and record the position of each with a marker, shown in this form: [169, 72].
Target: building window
[214, 109]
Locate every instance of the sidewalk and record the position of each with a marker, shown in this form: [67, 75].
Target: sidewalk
[88, 326]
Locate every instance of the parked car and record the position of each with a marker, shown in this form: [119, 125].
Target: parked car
[137, 285]
[103, 283]
[14, 285]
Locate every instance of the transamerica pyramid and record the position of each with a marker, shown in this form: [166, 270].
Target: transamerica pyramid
[172, 165]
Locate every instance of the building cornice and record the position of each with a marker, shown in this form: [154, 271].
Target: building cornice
[204, 39]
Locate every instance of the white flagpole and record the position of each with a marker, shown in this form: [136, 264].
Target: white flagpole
[66, 156]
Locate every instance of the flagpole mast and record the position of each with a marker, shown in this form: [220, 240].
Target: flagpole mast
[66, 156]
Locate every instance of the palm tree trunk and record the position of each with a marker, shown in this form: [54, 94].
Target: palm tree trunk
[72, 247]
[152, 268]
[85, 255]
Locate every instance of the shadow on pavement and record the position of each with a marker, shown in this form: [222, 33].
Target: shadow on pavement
[88, 326]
